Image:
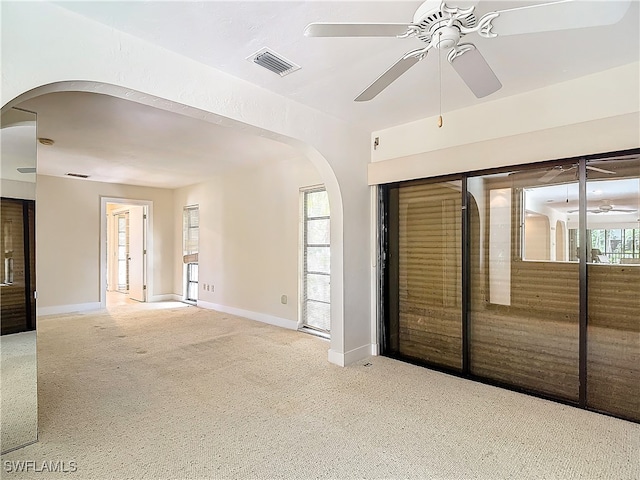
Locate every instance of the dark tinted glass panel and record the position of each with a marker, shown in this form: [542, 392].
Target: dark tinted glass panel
[613, 331]
[524, 298]
[427, 274]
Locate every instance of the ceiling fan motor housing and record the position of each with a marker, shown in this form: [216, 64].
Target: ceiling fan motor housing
[437, 28]
[445, 37]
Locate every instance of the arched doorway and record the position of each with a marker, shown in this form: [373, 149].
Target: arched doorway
[561, 241]
[328, 177]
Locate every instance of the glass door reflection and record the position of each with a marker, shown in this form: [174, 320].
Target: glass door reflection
[524, 288]
[18, 369]
[426, 273]
[613, 272]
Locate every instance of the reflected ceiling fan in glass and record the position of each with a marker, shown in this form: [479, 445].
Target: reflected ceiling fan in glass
[606, 207]
[560, 169]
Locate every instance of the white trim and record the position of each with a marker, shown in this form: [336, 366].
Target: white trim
[301, 232]
[165, 297]
[60, 309]
[347, 358]
[375, 270]
[260, 317]
[185, 268]
[103, 244]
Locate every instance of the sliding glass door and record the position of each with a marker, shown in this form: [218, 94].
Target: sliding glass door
[524, 295]
[613, 269]
[426, 273]
[526, 277]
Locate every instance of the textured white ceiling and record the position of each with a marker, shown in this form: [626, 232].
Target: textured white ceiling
[115, 140]
[335, 70]
[620, 193]
[119, 141]
[18, 150]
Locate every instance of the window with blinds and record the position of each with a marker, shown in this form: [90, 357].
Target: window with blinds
[190, 223]
[316, 306]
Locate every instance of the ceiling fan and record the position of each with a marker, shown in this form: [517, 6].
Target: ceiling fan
[559, 169]
[441, 26]
[605, 207]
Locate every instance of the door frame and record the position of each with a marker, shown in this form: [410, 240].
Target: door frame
[148, 259]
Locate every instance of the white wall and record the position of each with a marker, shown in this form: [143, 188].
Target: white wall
[593, 114]
[537, 237]
[68, 240]
[249, 231]
[86, 55]
[553, 217]
[71, 52]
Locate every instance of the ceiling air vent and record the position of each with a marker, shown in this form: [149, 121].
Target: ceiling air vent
[77, 175]
[273, 62]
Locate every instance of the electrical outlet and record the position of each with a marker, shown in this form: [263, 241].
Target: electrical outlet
[283, 299]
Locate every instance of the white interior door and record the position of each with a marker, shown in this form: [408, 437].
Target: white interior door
[137, 250]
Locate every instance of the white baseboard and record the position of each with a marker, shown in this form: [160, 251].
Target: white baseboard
[347, 358]
[260, 317]
[60, 309]
[166, 297]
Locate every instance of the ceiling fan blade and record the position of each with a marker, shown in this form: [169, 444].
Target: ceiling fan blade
[26, 169]
[356, 29]
[601, 170]
[391, 75]
[623, 210]
[560, 15]
[475, 71]
[551, 174]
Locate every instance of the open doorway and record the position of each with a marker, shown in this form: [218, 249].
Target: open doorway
[125, 251]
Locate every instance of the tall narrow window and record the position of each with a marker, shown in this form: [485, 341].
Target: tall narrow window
[316, 307]
[190, 224]
[123, 251]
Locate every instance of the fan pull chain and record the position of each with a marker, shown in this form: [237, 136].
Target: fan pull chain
[440, 81]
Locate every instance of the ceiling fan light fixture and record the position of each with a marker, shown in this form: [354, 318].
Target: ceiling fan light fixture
[46, 141]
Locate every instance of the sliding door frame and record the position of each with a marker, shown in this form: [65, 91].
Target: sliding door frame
[583, 283]
[385, 274]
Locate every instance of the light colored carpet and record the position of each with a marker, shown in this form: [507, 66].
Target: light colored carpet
[18, 404]
[150, 392]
